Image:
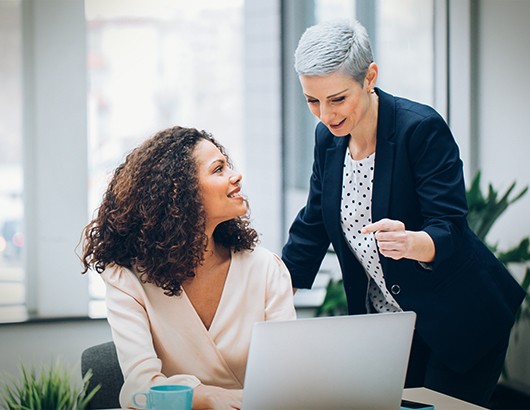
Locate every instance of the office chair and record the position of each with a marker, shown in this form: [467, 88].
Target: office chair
[103, 361]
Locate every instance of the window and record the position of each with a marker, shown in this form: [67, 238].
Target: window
[152, 65]
[12, 289]
[157, 64]
[402, 36]
[404, 48]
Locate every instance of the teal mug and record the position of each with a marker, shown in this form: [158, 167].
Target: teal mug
[166, 397]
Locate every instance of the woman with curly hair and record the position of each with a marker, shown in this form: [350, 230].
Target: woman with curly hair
[185, 280]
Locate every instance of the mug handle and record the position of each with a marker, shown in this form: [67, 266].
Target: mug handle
[138, 405]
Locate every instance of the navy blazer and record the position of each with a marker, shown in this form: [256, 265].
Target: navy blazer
[466, 304]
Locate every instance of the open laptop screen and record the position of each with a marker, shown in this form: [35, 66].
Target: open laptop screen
[341, 362]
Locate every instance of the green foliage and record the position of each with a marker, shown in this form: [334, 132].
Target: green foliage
[52, 387]
[483, 213]
[334, 303]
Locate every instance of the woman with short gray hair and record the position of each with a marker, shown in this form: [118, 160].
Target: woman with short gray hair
[387, 192]
[334, 47]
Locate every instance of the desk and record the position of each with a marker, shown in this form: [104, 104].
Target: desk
[440, 401]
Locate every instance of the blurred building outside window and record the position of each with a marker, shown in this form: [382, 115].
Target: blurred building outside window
[12, 276]
[153, 65]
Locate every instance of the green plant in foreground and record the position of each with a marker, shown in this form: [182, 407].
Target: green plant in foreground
[52, 387]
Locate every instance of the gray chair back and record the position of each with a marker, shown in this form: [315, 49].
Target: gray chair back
[106, 371]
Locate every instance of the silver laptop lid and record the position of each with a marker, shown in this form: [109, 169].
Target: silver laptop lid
[341, 362]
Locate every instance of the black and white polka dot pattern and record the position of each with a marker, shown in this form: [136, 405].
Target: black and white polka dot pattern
[356, 204]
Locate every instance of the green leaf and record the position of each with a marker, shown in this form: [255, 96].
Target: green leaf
[52, 387]
[483, 211]
[335, 302]
[518, 254]
[84, 397]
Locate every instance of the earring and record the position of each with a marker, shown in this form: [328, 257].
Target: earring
[372, 91]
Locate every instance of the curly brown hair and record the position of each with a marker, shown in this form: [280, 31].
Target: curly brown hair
[152, 218]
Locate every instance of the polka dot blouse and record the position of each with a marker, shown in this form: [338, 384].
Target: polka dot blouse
[356, 213]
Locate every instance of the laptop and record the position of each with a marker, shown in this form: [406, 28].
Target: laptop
[329, 363]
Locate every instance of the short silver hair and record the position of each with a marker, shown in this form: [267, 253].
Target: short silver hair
[334, 46]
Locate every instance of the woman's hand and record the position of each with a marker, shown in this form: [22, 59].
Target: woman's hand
[216, 398]
[395, 242]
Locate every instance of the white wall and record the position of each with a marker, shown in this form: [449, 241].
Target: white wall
[41, 342]
[504, 137]
[504, 110]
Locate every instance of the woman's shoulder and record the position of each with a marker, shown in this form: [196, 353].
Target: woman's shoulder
[259, 257]
[404, 107]
[416, 111]
[258, 253]
[119, 275]
[260, 268]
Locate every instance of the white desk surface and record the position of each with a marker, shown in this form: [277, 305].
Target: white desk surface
[439, 400]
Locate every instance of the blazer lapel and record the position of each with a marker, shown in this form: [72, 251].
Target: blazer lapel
[332, 186]
[384, 157]
[384, 161]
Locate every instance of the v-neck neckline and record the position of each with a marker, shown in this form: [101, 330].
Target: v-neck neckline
[219, 305]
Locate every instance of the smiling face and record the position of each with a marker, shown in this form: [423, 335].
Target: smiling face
[340, 102]
[220, 185]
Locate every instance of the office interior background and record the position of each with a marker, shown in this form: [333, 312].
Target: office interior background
[83, 82]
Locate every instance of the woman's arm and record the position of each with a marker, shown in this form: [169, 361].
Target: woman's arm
[395, 242]
[132, 336]
[279, 303]
[426, 147]
[308, 240]
[439, 181]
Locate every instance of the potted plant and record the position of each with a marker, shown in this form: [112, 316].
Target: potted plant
[52, 387]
